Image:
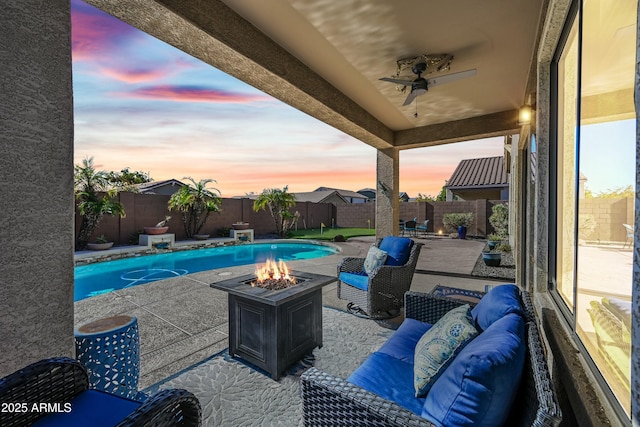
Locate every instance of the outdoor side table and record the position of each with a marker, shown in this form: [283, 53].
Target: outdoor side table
[110, 350]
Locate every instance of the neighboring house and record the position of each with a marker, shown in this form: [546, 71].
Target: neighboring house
[324, 196]
[369, 193]
[166, 187]
[484, 178]
[348, 195]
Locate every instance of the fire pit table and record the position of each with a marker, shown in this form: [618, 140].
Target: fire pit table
[273, 329]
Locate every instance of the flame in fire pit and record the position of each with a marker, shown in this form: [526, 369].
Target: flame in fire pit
[273, 275]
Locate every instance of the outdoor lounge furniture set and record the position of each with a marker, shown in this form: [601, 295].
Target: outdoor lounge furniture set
[499, 377]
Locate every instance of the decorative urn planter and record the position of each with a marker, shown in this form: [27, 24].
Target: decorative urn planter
[155, 230]
[492, 259]
[492, 244]
[240, 226]
[99, 246]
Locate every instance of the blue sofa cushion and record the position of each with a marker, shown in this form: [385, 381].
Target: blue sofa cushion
[358, 280]
[497, 303]
[390, 378]
[402, 344]
[439, 346]
[91, 408]
[479, 386]
[375, 258]
[398, 249]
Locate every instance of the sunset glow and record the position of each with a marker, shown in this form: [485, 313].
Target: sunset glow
[142, 104]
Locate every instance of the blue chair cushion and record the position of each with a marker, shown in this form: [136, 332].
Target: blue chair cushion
[439, 346]
[358, 280]
[91, 408]
[402, 344]
[497, 303]
[398, 249]
[375, 258]
[390, 378]
[478, 388]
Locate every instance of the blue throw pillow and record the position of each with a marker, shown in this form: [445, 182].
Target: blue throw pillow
[479, 386]
[440, 345]
[398, 249]
[375, 258]
[496, 304]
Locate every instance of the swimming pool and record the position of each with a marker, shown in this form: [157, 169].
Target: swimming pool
[102, 277]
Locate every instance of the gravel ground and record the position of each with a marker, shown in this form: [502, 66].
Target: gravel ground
[507, 269]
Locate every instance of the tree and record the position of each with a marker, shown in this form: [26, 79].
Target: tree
[95, 199]
[499, 219]
[195, 202]
[126, 180]
[425, 198]
[442, 196]
[612, 193]
[278, 202]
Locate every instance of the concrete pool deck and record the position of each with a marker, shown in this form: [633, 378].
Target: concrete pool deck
[183, 320]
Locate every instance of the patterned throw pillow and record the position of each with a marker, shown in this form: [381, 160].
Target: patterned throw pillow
[375, 258]
[439, 346]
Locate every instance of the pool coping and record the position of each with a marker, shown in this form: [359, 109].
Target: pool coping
[120, 252]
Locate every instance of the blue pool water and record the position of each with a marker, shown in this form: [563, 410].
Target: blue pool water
[103, 277]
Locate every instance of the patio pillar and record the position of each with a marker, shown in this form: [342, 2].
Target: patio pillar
[387, 192]
[36, 171]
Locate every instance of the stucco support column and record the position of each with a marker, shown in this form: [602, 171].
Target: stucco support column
[36, 174]
[387, 186]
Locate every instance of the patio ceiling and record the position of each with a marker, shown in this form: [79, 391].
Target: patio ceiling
[325, 57]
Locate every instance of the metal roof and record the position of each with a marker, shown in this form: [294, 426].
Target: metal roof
[479, 173]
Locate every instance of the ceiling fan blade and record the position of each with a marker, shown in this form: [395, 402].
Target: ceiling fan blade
[410, 98]
[397, 81]
[435, 81]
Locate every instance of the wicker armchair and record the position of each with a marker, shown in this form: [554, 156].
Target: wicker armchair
[332, 401]
[383, 294]
[63, 383]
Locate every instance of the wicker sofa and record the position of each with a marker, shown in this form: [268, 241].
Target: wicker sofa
[328, 400]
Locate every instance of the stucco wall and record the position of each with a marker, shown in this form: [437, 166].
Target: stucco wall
[36, 169]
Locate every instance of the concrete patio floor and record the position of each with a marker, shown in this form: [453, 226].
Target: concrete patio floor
[183, 320]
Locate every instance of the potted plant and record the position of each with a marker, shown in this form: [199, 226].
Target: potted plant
[493, 258]
[159, 228]
[494, 240]
[100, 244]
[458, 222]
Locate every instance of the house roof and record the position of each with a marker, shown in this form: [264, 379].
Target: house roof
[318, 196]
[479, 173]
[150, 186]
[343, 193]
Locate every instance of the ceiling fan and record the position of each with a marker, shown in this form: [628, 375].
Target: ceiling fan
[425, 64]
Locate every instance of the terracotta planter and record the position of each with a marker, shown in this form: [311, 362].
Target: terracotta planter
[155, 230]
[240, 226]
[99, 246]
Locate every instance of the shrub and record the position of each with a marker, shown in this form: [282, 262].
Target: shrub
[499, 219]
[452, 221]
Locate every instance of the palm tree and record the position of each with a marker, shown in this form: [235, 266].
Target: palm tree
[278, 202]
[195, 203]
[95, 199]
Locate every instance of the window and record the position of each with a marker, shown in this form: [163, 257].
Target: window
[594, 188]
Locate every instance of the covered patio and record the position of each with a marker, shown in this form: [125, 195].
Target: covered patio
[326, 60]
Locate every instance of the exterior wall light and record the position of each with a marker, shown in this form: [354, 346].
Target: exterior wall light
[525, 115]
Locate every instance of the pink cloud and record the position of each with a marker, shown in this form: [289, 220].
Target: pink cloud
[94, 33]
[192, 94]
[135, 76]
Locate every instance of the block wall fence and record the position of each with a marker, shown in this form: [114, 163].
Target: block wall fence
[145, 210]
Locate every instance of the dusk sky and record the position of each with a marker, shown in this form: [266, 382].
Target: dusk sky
[142, 104]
